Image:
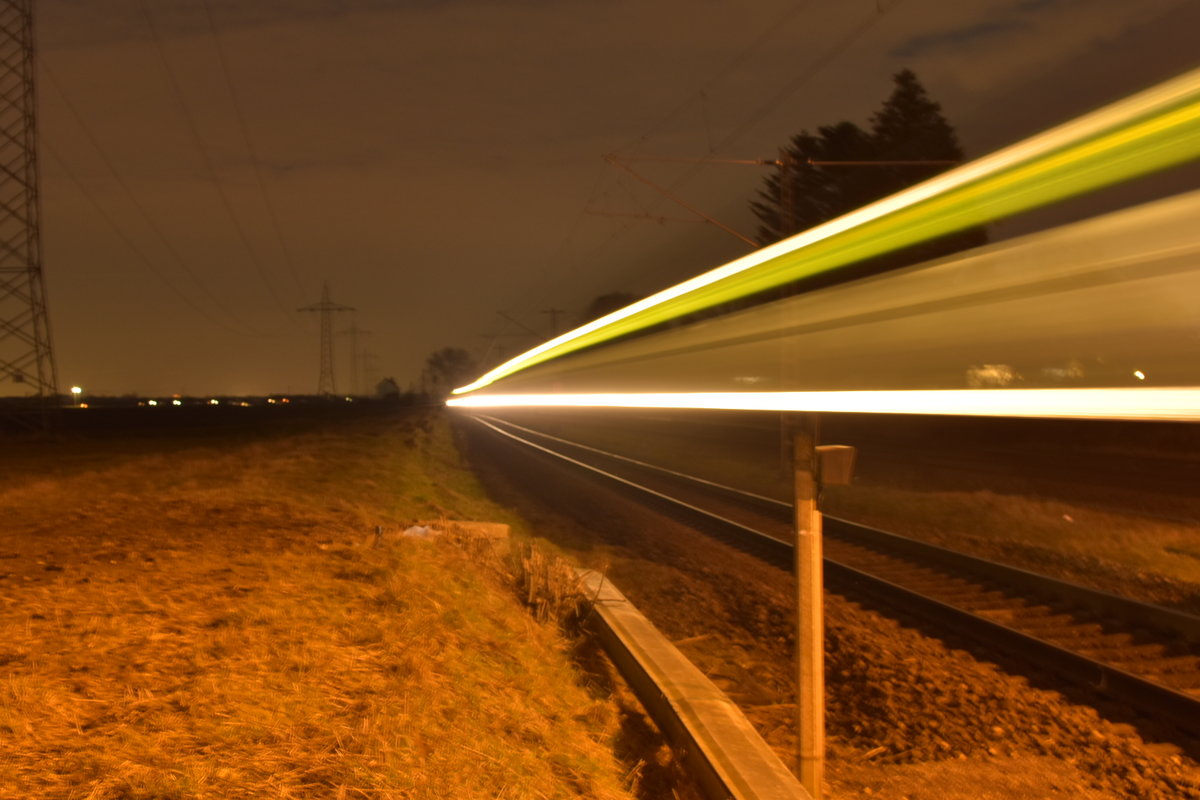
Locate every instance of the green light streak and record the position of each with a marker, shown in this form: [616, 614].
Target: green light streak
[1148, 132]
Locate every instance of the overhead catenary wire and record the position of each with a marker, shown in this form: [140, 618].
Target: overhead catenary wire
[777, 24]
[194, 130]
[789, 88]
[679, 200]
[814, 68]
[806, 75]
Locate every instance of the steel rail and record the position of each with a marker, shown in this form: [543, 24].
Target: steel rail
[1183, 710]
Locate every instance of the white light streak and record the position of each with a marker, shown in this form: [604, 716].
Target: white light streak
[1176, 403]
[1009, 158]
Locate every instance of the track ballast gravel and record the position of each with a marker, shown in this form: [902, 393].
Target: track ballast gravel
[908, 715]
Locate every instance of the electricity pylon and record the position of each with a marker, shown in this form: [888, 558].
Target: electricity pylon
[355, 363]
[26, 355]
[326, 384]
[370, 372]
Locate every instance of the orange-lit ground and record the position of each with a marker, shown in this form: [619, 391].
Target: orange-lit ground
[207, 617]
[908, 715]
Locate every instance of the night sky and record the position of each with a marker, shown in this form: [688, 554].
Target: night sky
[205, 168]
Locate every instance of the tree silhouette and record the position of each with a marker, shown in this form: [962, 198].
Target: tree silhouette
[910, 126]
[447, 369]
[606, 304]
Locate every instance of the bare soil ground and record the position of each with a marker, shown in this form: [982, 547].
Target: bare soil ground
[212, 618]
[909, 716]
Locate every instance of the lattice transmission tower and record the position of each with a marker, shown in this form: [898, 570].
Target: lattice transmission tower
[327, 383]
[356, 356]
[26, 355]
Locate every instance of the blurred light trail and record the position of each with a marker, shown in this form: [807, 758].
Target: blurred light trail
[1175, 403]
[1110, 303]
[1149, 131]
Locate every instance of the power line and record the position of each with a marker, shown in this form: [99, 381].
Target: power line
[660, 219]
[254, 159]
[356, 369]
[814, 68]
[755, 117]
[553, 313]
[145, 260]
[771, 30]
[612, 159]
[327, 382]
[791, 87]
[194, 129]
[520, 324]
[142, 211]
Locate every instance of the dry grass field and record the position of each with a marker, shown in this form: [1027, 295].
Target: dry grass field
[215, 619]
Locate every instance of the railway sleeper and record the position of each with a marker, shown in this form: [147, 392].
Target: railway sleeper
[1175, 665]
[925, 581]
[1109, 652]
[1051, 624]
[1022, 615]
[1104, 636]
[997, 608]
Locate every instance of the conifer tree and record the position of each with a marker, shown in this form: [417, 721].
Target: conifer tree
[908, 127]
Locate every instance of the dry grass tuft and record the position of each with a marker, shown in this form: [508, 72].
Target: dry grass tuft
[548, 584]
[216, 627]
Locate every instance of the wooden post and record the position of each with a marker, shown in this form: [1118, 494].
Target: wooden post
[810, 611]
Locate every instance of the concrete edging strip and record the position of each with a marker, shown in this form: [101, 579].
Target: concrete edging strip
[724, 752]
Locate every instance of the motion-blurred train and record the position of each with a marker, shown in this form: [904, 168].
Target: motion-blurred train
[1099, 318]
[1110, 302]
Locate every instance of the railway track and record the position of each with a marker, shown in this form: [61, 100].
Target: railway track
[1141, 655]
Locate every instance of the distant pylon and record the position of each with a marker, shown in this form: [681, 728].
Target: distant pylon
[355, 363]
[26, 355]
[326, 384]
[370, 372]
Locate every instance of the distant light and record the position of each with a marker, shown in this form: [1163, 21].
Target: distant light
[83, 405]
[176, 402]
[1179, 403]
[271, 400]
[1141, 376]
[151, 402]
[285, 400]
[243, 404]
[349, 399]
[75, 390]
[214, 402]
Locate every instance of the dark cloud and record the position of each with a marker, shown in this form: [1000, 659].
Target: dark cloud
[86, 22]
[1027, 6]
[957, 39]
